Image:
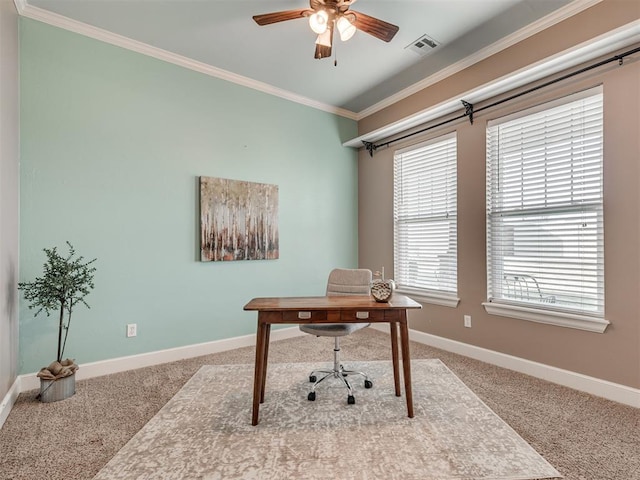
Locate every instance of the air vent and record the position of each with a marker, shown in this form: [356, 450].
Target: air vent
[423, 45]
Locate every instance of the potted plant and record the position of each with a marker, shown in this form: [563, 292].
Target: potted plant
[67, 280]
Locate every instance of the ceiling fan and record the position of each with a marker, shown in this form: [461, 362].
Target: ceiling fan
[325, 16]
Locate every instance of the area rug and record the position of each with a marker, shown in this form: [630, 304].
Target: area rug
[204, 432]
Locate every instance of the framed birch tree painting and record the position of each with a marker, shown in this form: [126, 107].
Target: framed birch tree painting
[238, 220]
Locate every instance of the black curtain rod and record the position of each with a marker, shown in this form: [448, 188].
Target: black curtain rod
[469, 110]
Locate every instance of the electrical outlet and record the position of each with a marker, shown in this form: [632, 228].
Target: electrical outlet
[132, 329]
[467, 321]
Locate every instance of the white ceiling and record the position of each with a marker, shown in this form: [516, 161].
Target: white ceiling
[222, 34]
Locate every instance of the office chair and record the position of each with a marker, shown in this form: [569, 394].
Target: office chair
[341, 282]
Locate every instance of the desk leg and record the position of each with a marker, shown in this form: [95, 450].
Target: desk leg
[265, 362]
[394, 356]
[258, 376]
[406, 362]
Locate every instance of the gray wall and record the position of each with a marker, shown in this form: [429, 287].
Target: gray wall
[9, 158]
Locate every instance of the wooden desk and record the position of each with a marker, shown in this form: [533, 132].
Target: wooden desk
[333, 309]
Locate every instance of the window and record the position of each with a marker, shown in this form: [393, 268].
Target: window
[425, 221]
[545, 246]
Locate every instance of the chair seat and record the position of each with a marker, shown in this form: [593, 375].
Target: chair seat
[332, 329]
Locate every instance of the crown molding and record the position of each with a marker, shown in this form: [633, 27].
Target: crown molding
[54, 19]
[558, 16]
[60, 21]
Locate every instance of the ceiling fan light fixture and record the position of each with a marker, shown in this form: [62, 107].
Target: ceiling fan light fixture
[346, 28]
[324, 38]
[319, 21]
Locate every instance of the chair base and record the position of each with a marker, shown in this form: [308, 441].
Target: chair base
[338, 372]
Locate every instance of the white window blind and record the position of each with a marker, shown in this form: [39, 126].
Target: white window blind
[425, 217]
[545, 245]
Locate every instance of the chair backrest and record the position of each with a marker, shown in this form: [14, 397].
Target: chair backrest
[349, 281]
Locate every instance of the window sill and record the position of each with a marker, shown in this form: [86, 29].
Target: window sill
[550, 317]
[423, 296]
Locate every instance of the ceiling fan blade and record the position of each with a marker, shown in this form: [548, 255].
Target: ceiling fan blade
[275, 17]
[378, 28]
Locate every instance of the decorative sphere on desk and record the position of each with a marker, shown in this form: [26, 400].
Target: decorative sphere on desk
[382, 290]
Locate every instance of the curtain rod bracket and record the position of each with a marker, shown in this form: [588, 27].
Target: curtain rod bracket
[468, 110]
[370, 147]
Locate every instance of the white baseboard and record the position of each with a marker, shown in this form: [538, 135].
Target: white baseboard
[8, 401]
[577, 381]
[121, 364]
[595, 386]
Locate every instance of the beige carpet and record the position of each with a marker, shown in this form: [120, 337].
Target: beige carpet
[204, 431]
[584, 437]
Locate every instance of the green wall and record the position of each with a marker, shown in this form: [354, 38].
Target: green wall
[112, 145]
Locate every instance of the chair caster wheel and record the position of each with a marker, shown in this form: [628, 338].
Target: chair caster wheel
[312, 378]
[368, 384]
[351, 400]
[312, 396]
